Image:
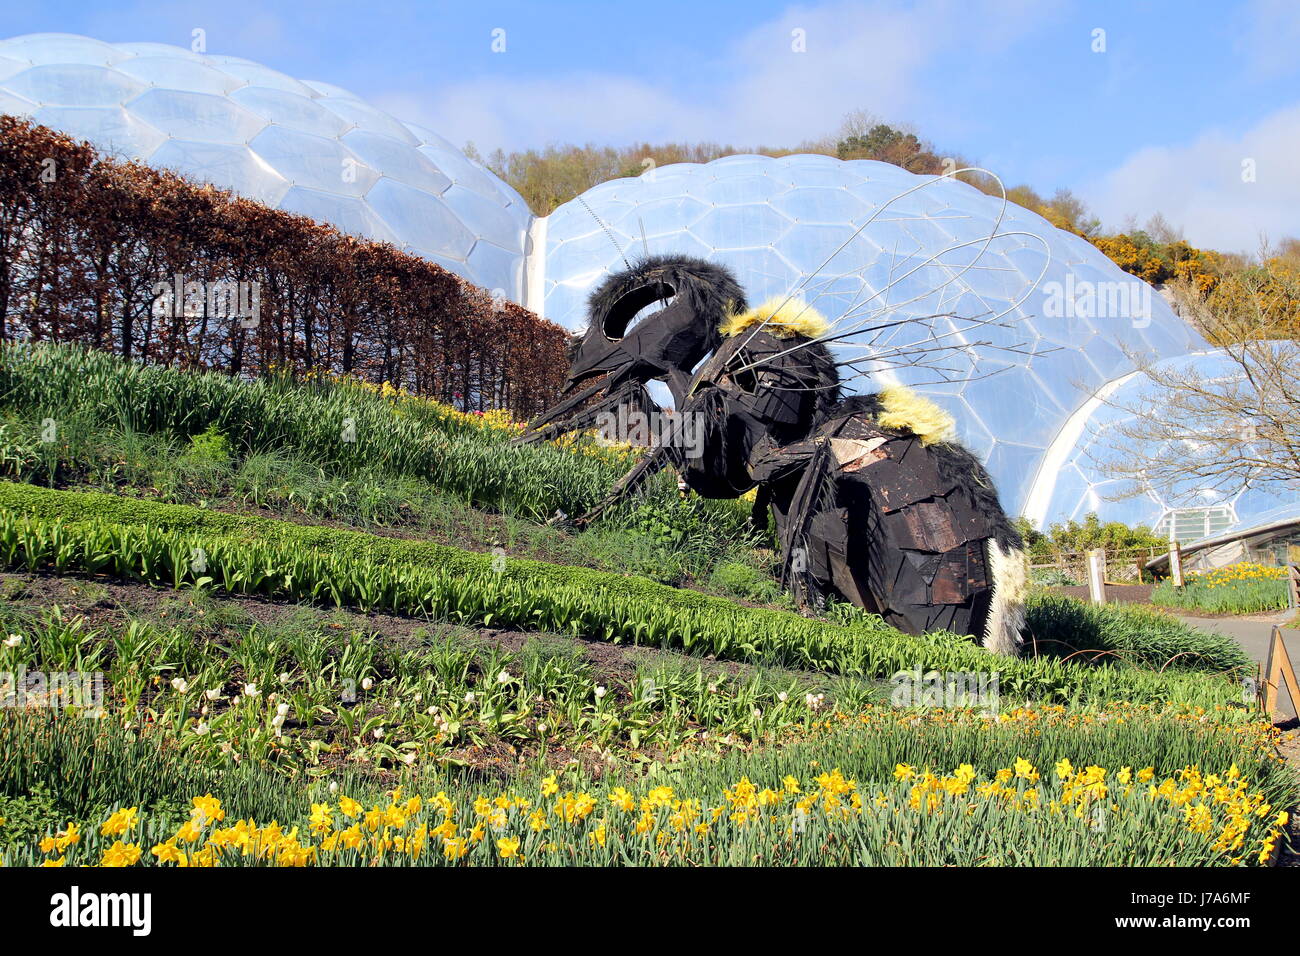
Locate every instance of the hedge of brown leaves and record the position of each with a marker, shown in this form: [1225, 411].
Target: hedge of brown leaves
[87, 243]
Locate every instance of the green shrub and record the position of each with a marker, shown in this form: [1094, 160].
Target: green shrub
[211, 446]
[25, 817]
[1063, 626]
[747, 582]
[1053, 578]
[1073, 537]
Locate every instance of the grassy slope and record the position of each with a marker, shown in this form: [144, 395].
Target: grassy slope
[337, 452]
[406, 447]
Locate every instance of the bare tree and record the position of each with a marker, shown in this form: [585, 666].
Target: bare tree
[1228, 431]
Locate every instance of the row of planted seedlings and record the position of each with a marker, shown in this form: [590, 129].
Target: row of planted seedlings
[671, 539]
[54, 395]
[348, 569]
[313, 696]
[339, 452]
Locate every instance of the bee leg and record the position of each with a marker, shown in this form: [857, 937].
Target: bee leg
[646, 468]
[804, 557]
[553, 424]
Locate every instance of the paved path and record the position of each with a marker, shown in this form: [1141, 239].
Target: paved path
[1254, 634]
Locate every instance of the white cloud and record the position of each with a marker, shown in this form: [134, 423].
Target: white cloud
[879, 55]
[1200, 187]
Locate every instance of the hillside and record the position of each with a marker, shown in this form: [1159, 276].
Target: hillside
[358, 590]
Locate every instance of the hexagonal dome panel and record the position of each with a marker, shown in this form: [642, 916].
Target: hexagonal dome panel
[310, 148]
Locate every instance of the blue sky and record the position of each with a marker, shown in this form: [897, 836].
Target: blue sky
[1162, 120]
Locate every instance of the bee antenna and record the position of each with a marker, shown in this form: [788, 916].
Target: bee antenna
[600, 222]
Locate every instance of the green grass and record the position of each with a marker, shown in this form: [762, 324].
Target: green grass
[342, 429]
[1064, 627]
[70, 418]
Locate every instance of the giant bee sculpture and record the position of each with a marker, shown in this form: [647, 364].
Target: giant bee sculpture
[873, 501]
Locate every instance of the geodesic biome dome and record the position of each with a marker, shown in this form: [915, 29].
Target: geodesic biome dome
[1046, 315]
[302, 146]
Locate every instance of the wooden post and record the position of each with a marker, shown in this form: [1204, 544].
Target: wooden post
[1293, 577]
[1097, 575]
[1176, 563]
[1279, 669]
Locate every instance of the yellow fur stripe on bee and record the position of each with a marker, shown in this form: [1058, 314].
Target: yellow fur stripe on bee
[783, 318]
[910, 411]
